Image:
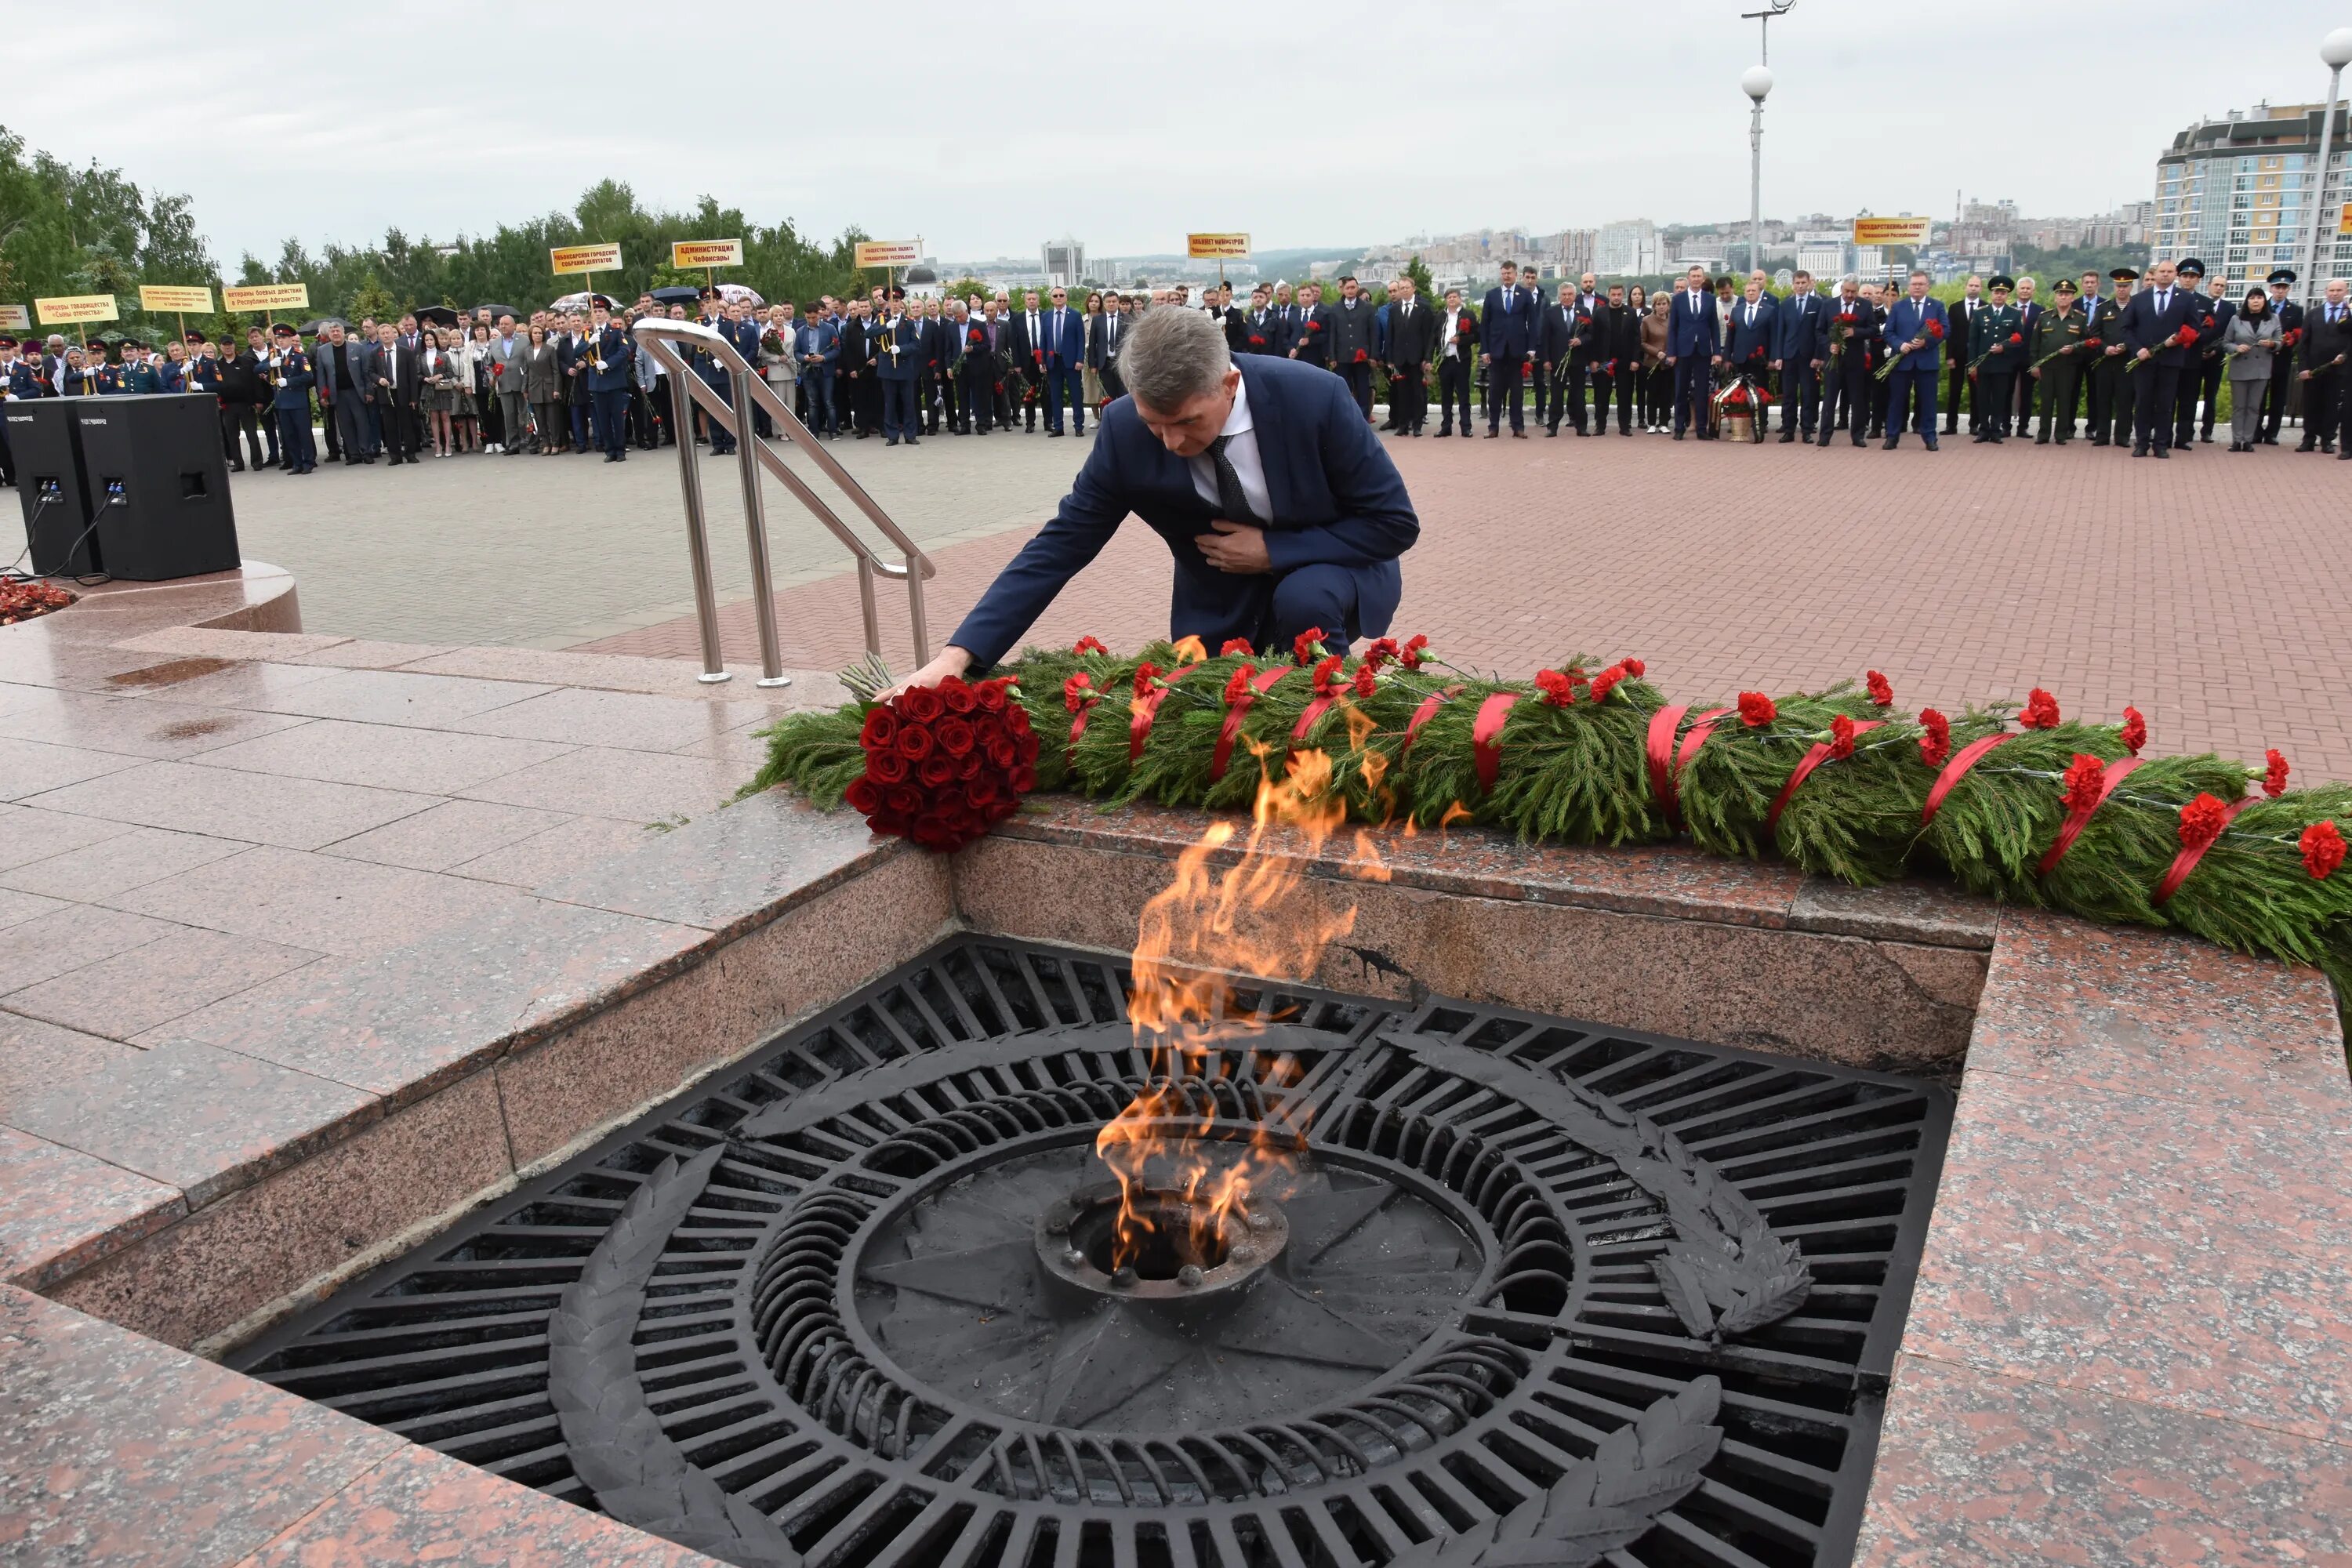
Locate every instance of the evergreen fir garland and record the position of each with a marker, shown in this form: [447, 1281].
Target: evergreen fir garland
[2027, 806]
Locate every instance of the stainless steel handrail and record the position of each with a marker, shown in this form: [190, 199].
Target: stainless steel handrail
[669, 343]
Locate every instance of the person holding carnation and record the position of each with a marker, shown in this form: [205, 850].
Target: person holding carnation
[2158, 327]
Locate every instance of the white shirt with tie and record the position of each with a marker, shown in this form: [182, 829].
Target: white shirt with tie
[1241, 452]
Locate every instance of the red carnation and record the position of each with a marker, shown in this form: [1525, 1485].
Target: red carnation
[1559, 690]
[2275, 776]
[1145, 674]
[1414, 649]
[1382, 650]
[2017, 337]
[1756, 709]
[2134, 733]
[1606, 681]
[2187, 336]
[919, 705]
[2202, 821]
[1305, 646]
[1361, 356]
[1089, 645]
[880, 728]
[1881, 693]
[1257, 341]
[1934, 739]
[1633, 667]
[1365, 680]
[1238, 687]
[2041, 711]
[1935, 330]
[955, 737]
[1078, 691]
[1235, 645]
[1841, 736]
[2086, 775]
[2323, 849]
[1326, 676]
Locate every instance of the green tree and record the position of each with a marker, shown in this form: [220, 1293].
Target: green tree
[372, 298]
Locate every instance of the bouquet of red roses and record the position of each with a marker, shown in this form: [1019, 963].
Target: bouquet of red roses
[945, 762]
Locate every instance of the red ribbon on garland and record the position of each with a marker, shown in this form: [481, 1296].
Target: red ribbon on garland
[1144, 710]
[2185, 861]
[1812, 759]
[2110, 775]
[1487, 734]
[1264, 682]
[1315, 709]
[1422, 715]
[1667, 762]
[1078, 726]
[1956, 770]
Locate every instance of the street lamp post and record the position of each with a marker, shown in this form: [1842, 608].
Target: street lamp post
[2335, 53]
[1756, 83]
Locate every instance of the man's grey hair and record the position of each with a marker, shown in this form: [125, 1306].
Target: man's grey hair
[1172, 357]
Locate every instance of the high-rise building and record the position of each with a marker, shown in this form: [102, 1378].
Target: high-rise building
[1628, 248]
[1065, 262]
[2236, 192]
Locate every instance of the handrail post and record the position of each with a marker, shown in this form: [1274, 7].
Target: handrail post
[755, 528]
[698, 540]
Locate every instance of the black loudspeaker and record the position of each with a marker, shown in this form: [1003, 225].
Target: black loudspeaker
[51, 485]
[158, 485]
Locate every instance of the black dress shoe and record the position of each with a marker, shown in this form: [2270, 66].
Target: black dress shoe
[2043, 440]
[894, 440]
[913, 441]
[1678, 435]
[1930, 442]
[1889, 444]
[2164, 451]
[1493, 435]
[1787, 436]
[2307, 444]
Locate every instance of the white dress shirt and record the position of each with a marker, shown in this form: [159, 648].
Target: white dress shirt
[1241, 452]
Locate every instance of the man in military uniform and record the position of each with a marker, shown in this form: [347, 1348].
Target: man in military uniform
[2110, 404]
[1996, 353]
[2283, 385]
[2200, 378]
[898, 359]
[2055, 348]
[610, 364]
[289, 380]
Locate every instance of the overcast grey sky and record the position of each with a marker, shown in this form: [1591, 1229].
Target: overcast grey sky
[331, 122]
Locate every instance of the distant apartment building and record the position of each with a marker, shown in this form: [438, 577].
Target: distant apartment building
[1628, 248]
[1065, 261]
[2237, 194]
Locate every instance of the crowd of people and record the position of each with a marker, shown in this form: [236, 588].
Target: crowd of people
[2118, 359]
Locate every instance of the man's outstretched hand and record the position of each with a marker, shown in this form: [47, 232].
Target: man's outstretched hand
[951, 660]
[1235, 547]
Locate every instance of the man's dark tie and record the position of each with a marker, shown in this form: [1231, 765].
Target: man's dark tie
[1231, 496]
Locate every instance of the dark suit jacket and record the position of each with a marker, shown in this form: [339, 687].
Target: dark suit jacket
[1801, 329]
[1616, 337]
[1354, 332]
[1906, 319]
[1413, 339]
[1752, 342]
[1310, 335]
[2323, 340]
[1106, 341]
[1693, 326]
[1963, 323]
[400, 367]
[1561, 331]
[2146, 327]
[1509, 335]
[1336, 497]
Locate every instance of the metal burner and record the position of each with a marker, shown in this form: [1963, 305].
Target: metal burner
[1526, 1290]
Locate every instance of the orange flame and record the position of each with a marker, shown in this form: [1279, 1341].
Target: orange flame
[1200, 937]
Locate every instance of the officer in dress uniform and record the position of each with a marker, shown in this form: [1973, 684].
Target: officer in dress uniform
[2110, 404]
[1997, 352]
[290, 379]
[15, 383]
[2208, 323]
[898, 359]
[2283, 381]
[611, 362]
[2057, 338]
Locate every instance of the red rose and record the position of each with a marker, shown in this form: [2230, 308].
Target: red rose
[1756, 709]
[955, 696]
[1411, 655]
[2134, 733]
[968, 766]
[1367, 681]
[2202, 821]
[1235, 645]
[982, 791]
[2275, 776]
[1326, 676]
[905, 799]
[1078, 691]
[1238, 687]
[1934, 739]
[2041, 711]
[1557, 689]
[2085, 778]
[887, 768]
[1881, 693]
[919, 704]
[999, 751]
[936, 770]
[955, 737]
[1304, 645]
[2323, 849]
[880, 728]
[990, 694]
[1016, 720]
[914, 743]
[1145, 674]
[1025, 747]
[1841, 736]
[864, 797]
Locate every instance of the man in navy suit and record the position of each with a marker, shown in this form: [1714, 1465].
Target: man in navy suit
[1801, 347]
[2152, 323]
[1506, 330]
[609, 368]
[1063, 337]
[1755, 333]
[1694, 346]
[1914, 333]
[1280, 504]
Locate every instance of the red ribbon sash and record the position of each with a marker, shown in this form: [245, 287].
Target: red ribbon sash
[2185, 861]
[1264, 682]
[1956, 770]
[1078, 725]
[1422, 715]
[1667, 762]
[1314, 711]
[2112, 774]
[1812, 759]
[1487, 736]
[1144, 710]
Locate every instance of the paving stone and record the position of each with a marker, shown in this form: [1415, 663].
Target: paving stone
[298, 814]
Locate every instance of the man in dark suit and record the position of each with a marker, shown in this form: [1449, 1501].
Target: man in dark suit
[1278, 501]
[1506, 330]
[1354, 342]
[1560, 334]
[1064, 341]
[1024, 352]
[1853, 336]
[2152, 326]
[1755, 331]
[396, 390]
[1694, 347]
[2282, 382]
[1801, 347]
[1412, 351]
[1917, 332]
[1961, 318]
[1616, 358]
[2326, 373]
[1103, 351]
[1310, 328]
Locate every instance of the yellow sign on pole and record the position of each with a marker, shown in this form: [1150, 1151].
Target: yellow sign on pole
[163, 296]
[888, 252]
[1891, 230]
[15, 319]
[1217, 247]
[2344, 219]
[74, 308]
[705, 253]
[566, 258]
[265, 299]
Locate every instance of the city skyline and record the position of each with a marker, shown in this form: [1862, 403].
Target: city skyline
[317, 157]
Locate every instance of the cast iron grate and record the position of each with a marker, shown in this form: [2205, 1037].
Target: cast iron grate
[1550, 1293]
